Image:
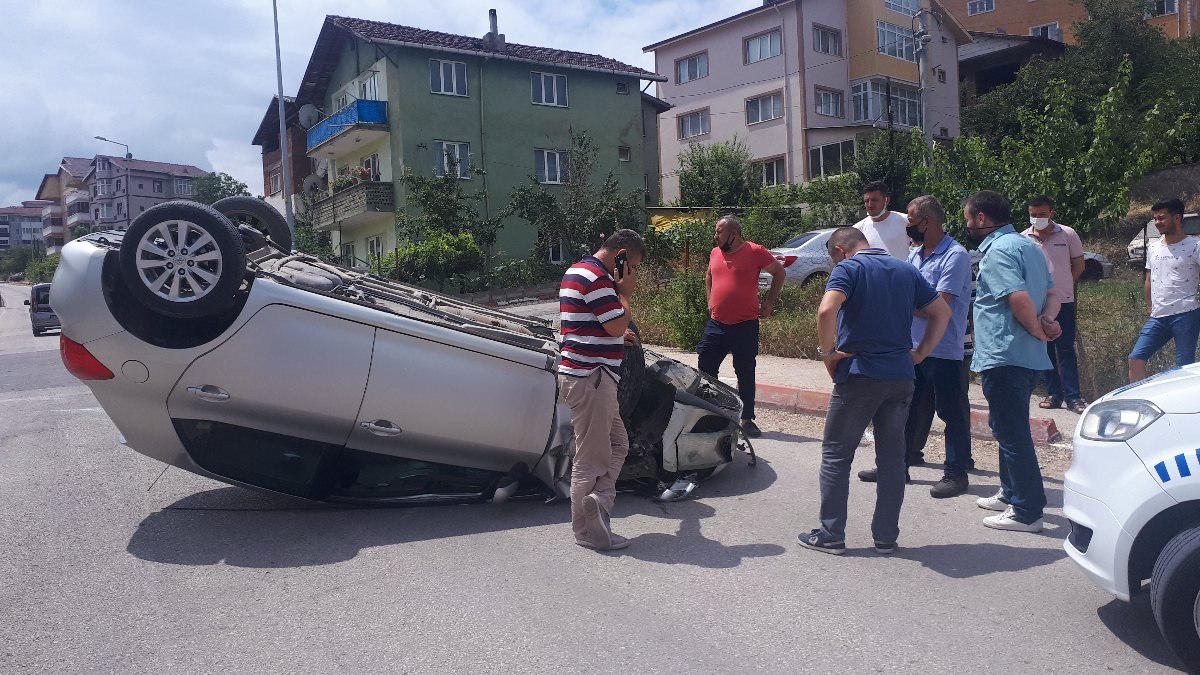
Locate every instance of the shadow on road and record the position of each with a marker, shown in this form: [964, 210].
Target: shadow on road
[243, 528]
[965, 561]
[1133, 623]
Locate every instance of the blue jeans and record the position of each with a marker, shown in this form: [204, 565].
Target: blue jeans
[1007, 389]
[1062, 380]
[1158, 331]
[941, 387]
[740, 339]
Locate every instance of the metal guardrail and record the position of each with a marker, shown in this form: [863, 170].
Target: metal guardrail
[358, 112]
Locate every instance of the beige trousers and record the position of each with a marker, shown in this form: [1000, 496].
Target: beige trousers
[601, 444]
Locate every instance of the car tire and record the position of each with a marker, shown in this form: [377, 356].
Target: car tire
[259, 215]
[37, 333]
[633, 376]
[1175, 596]
[210, 260]
[821, 278]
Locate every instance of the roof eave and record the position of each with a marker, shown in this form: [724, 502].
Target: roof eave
[715, 24]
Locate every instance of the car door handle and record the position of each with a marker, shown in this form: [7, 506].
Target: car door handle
[209, 393]
[382, 428]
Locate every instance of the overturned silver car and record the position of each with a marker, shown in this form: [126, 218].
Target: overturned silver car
[214, 350]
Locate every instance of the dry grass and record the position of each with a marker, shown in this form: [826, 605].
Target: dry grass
[1111, 314]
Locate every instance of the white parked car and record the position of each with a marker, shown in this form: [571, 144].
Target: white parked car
[1149, 234]
[1132, 496]
[805, 258]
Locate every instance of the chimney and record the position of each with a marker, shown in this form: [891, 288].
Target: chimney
[494, 40]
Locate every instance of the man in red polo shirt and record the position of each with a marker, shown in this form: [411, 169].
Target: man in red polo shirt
[732, 282]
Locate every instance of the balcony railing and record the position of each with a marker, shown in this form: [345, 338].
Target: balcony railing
[359, 114]
[355, 205]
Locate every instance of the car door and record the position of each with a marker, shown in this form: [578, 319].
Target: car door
[273, 405]
[458, 400]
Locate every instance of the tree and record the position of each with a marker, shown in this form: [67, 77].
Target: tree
[216, 186]
[717, 174]
[891, 158]
[440, 204]
[582, 212]
[308, 239]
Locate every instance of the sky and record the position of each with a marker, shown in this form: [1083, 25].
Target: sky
[188, 81]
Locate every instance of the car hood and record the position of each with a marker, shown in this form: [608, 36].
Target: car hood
[1173, 391]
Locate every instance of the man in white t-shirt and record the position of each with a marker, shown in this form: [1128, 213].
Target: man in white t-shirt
[883, 228]
[1174, 264]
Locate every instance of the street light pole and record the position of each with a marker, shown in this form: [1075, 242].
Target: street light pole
[283, 144]
[923, 39]
[128, 155]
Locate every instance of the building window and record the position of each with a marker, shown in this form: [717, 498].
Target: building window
[867, 101]
[941, 75]
[762, 47]
[447, 77]
[693, 124]
[550, 166]
[341, 102]
[772, 171]
[905, 7]
[141, 209]
[120, 208]
[158, 187]
[276, 183]
[622, 88]
[624, 154]
[764, 108]
[375, 247]
[558, 252]
[104, 187]
[368, 89]
[141, 187]
[827, 40]
[103, 165]
[348, 256]
[829, 102]
[105, 211]
[1047, 30]
[1162, 7]
[831, 159]
[895, 41]
[549, 89]
[459, 153]
[980, 6]
[371, 164]
[692, 68]
[183, 186]
[118, 185]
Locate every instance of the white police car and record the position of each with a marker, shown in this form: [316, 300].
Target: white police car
[1132, 495]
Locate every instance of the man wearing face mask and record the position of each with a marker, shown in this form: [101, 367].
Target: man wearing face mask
[1014, 312]
[942, 378]
[734, 309]
[883, 228]
[1064, 254]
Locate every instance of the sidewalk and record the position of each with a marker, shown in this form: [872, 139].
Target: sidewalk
[802, 385]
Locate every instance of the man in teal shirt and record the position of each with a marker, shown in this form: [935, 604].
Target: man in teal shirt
[1014, 313]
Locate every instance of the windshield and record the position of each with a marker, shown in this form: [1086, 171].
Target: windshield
[42, 295]
[800, 240]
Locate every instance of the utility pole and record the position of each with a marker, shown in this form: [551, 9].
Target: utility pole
[891, 129]
[923, 39]
[285, 159]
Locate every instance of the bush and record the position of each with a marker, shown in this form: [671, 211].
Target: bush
[41, 270]
[675, 314]
[665, 249]
[1111, 314]
[527, 272]
[435, 260]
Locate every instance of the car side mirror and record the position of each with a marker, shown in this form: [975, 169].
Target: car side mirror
[26, 302]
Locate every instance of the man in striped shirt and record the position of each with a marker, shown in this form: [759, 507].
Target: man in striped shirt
[594, 304]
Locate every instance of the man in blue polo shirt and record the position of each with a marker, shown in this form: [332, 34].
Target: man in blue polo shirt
[942, 378]
[864, 327]
[1015, 312]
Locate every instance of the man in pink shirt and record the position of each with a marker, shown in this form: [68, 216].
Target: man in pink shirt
[733, 305]
[1064, 254]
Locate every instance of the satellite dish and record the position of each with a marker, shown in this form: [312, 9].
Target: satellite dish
[323, 167]
[311, 184]
[309, 115]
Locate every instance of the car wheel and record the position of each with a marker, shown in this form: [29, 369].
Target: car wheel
[183, 260]
[1092, 271]
[1175, 596]
[259, 215]
[821, 278]
[633, 376]
[37, 333]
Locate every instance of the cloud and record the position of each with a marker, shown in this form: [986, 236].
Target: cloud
[188, 82]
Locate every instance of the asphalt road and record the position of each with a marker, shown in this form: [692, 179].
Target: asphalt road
[107, 564]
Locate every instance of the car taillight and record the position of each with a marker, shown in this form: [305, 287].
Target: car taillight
[80, 362]
[787, 260]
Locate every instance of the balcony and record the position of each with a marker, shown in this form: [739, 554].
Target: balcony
[81, 218]
[356, 205]
[357, 124]
[52, 227]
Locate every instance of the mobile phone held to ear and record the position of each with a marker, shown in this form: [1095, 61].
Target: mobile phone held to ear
[620, 262]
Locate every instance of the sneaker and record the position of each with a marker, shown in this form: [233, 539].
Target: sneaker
[948, 486]
[884, 548]
[872, 476]
[1008, 521]
[599, 537]
[813, 540]
[751, 429]
[996, 502]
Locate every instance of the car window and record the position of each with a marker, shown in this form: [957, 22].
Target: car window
[800, 240]
[1191, 225]
[42, 296]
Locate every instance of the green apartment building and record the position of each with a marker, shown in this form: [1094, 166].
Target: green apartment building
[394, 98]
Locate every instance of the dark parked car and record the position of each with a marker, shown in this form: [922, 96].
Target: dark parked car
[41, 314]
